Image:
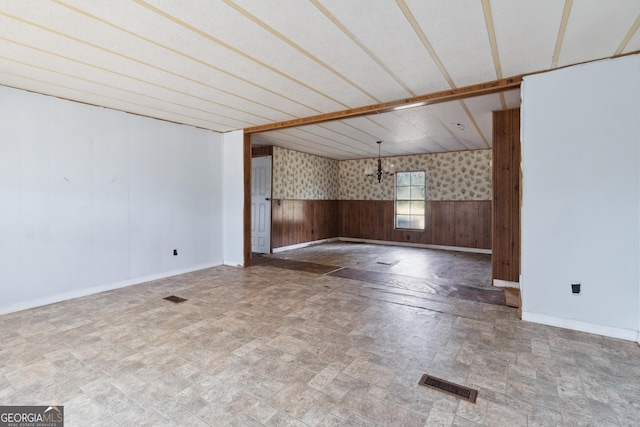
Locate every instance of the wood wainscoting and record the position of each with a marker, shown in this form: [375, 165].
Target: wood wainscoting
[450, 223]
[301, 221]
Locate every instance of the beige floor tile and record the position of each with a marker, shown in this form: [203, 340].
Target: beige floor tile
[276, 347]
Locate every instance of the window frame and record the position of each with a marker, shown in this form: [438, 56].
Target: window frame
[410, 199]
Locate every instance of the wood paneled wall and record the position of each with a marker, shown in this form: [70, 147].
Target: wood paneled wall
[262, 151]
[506, 195]
[454, 223]
[300, 221]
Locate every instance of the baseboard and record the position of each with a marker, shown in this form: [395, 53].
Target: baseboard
[607, 331]
[499, 283]
[52, 299]
[303, 245]
[416, 245]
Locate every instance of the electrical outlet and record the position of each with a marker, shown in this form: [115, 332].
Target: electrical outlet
[175, 252]
[575, 288]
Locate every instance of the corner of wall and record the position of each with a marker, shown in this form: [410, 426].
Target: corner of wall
[233, 197]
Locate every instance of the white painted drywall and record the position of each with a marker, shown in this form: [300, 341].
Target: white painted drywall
[233, 195]
[581, 197]
[94, 199]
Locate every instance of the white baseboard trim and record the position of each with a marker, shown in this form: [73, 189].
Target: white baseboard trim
[607, 331]
[233, 263]
[303, 245]
[499, 283]
[416, 245]
[52, 299]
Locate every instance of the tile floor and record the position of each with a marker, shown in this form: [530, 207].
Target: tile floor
[278, 347]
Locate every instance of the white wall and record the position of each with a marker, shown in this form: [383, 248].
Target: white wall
[581, 197]
[94, 199]
[233, 194]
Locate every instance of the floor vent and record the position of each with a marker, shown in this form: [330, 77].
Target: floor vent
[448, 387]
[175, 299]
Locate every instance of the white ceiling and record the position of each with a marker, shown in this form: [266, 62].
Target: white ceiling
[227, 65]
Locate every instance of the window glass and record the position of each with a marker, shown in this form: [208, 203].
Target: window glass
[410, 200]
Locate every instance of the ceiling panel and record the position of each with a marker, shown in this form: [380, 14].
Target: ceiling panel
[526, 34]
[323, 138]
[597, 35]
[360, 70]
[231, 71]
[425, 119]
[96, 89]
[38, 86]
[459, 124]
[458, 33]
[383, 29]
[245, 36]
[231, 64]
[24, 61]
[482, 107]
[512, 98]
[141, 77]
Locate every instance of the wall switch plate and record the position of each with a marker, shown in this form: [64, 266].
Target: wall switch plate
[575, 288]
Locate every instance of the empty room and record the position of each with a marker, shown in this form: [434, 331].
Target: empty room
[314, 213]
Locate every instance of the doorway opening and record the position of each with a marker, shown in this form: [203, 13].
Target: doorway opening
[261, 204]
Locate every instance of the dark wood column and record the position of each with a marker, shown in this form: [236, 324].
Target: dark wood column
[506, 195]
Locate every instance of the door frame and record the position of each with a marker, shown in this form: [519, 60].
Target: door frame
[247, 155]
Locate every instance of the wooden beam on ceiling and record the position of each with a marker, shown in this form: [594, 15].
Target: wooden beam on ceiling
[385, 107]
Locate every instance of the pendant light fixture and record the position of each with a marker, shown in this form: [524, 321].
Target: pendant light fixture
[379, 173]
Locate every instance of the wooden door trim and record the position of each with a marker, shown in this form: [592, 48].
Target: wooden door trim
[246, 214]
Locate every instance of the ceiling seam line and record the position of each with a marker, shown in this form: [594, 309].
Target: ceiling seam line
[177, 52]
[359, 130]
[474, 122]
[49, 70]
[628, 37]
[361, 45]
[491, 32]
[321, 125]
[313, 146]
[298, 138]
[288, 41]
[425, 133]
[425, 41]
[106, 97]
[235, 50]
[129, 77]
[197, 82]
[561, 32]
[333, 140]
[448, 129]
[503, 101]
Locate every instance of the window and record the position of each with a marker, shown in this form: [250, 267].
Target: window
[410, 197]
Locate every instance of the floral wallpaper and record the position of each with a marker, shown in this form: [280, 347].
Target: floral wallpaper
[461, 175]
[301, 176]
